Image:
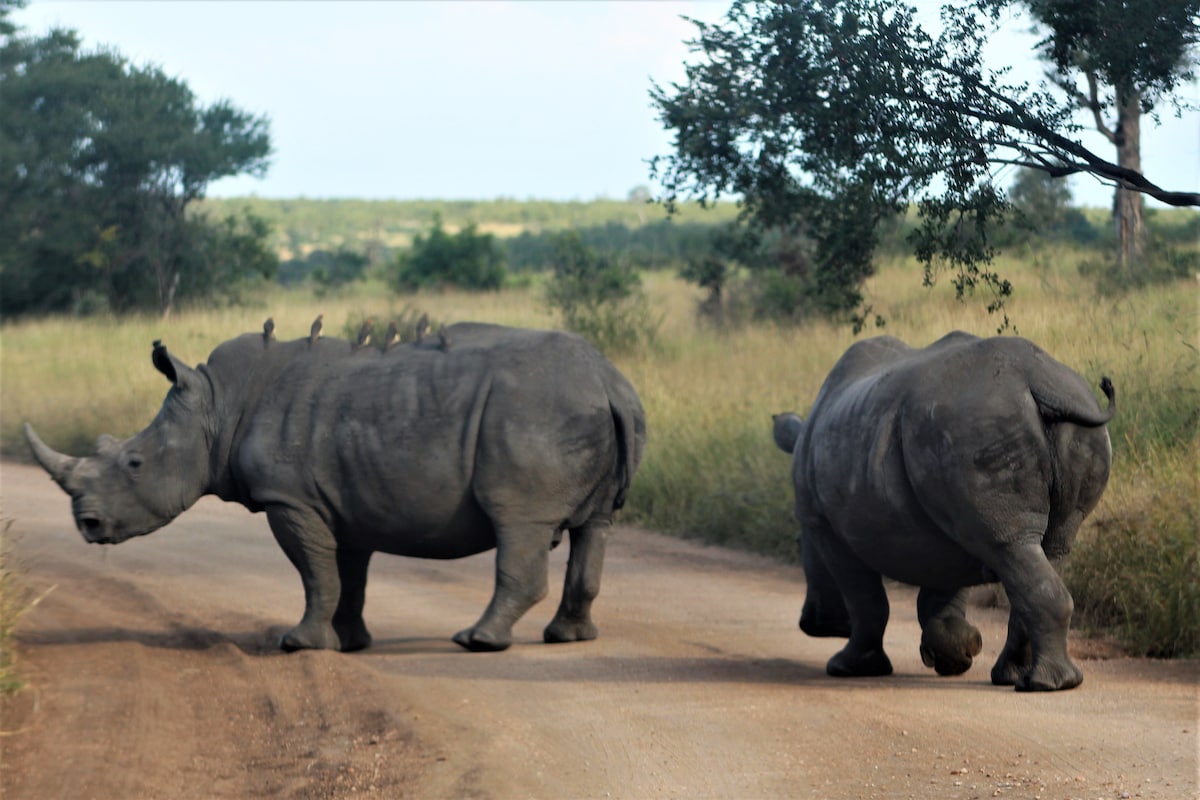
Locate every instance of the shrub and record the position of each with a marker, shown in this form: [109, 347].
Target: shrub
[467, 259]
[599, 297]
[1136, 570]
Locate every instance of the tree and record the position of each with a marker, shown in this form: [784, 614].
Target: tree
[1118, 60]
[828, 118]
[99, 161]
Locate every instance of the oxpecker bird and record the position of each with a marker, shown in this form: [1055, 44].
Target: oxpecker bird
[364, 335]
[443, 340]
[268, 331]
[391, 337]
[422, 327]
[314, 332]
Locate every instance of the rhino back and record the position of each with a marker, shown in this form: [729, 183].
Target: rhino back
[417, 450]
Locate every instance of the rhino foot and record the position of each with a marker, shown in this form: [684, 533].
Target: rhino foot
[560, 630]
[353, 637]
[310, 637]
[1045, 675]
[836, 627]
[950, 644]
[478, 640]
[859, 664]
[1049, 676]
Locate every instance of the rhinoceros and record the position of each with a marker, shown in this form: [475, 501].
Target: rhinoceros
[505, 438]
[966, 462]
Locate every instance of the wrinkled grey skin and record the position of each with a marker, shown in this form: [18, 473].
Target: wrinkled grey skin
[966, 462]
[505, 440]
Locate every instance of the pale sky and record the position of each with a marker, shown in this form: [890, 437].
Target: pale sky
[468, 100]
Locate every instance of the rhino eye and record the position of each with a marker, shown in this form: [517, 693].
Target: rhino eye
[133, 461]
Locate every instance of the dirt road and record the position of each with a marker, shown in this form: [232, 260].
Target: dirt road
[153, 673]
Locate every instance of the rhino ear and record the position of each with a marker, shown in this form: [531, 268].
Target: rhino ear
[176, 371]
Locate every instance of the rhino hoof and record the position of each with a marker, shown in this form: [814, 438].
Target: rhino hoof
[558, 632]
[1043, 678]
[869, 664]
[950, 645]
[300, 639]
[477, 642]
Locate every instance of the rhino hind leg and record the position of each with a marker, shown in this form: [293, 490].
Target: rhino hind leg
[1017, 656]
[348, 618]
[824, 612]
[1035, 655]
[866, 605]
[522, 560]
[573, 620]
[949, 643]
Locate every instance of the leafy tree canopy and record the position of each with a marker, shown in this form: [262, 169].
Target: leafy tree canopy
[827, 117]
[99, 160]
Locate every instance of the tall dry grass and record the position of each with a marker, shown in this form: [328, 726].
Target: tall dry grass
[712, 470]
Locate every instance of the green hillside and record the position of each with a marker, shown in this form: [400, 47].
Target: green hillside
[302, 225]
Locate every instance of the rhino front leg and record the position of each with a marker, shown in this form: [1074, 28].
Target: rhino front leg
[522, 559]
[1035, 656]
[573, 621]
[949, 643]
[310, 546]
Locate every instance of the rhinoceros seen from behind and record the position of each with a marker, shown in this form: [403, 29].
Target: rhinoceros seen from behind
[966, 462]
[506, 438]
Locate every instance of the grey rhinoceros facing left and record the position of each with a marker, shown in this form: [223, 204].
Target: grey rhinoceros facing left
[494, 437]
[966, 462]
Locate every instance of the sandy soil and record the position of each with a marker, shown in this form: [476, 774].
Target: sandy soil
[152, 672]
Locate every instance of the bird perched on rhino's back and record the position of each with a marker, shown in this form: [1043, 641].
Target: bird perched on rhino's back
[504, 442]
[422, 328]
[965, 462]
[268, 330]
[391, 337]
[364, 335]
[314, 332]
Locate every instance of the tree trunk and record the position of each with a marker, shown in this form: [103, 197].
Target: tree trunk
[1127, 204]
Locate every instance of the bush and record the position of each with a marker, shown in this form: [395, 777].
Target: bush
[599, 297]
[467, 259]
[1136, 570]
[1161, 263]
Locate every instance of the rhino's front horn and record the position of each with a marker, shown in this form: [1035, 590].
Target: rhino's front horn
[58, 465]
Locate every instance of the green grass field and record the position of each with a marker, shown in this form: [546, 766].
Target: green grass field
[712, 471]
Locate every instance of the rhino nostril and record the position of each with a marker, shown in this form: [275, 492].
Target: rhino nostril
[89, 525]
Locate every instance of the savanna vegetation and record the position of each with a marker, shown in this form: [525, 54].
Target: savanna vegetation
[879, 204]
[712, 471]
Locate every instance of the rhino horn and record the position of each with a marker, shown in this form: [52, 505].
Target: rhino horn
[58, 465]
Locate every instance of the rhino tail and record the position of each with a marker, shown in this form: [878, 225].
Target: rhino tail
[627, 452]
[787, 429]
[1079, 408]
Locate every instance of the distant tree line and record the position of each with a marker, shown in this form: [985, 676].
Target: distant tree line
[100, 163]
